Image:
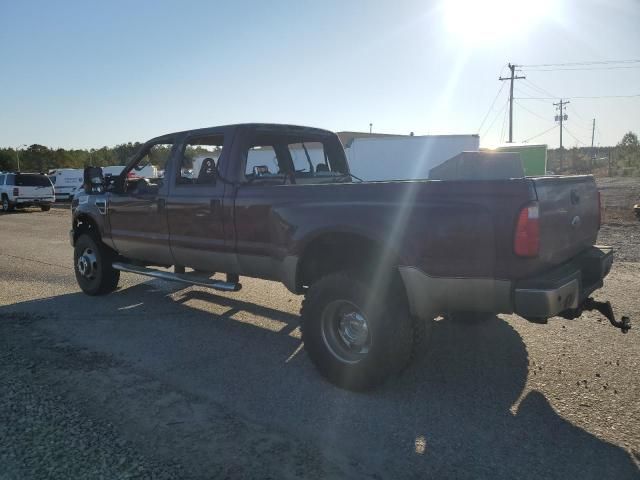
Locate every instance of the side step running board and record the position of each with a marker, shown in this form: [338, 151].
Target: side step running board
[189, 278]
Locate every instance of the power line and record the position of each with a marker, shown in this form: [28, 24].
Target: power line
[532, 112]
[540, 89]
[527, 91]
[491, 107]
[577, 98]
[580, 69]
[574, 137]
[504, 122]
[496, 117]
[539, 135]
[604, 62]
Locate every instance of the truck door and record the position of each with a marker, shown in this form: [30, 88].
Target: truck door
[197, 211]
[137, 208]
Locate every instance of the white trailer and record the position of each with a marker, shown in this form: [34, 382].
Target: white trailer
[404, 158]
[65, 181]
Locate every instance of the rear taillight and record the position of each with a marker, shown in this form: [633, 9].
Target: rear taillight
[526, 241]
[16, 191]
[599, 210]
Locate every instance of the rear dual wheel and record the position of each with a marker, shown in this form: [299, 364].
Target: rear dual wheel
[356, 336]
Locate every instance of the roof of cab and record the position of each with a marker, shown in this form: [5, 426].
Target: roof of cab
[257, 126]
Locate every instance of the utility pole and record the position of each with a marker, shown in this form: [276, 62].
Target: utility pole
[561, 117]
[511, 79]
[370, 128]
[593, 153]
[17, 155]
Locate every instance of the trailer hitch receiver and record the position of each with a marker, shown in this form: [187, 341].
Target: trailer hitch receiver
[624, 324]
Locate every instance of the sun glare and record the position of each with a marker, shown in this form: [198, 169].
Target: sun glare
[479, 22]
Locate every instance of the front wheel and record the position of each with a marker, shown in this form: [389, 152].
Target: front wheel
[93, 266]
[45, 208]
[356, 337]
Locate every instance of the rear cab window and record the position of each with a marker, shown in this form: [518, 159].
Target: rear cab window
[282, 158]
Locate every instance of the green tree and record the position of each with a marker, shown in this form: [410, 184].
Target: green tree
[628, 154]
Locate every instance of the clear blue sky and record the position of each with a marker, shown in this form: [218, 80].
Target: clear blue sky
[88, 73]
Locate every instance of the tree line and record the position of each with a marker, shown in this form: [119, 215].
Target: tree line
[622, 159]
[39, 158]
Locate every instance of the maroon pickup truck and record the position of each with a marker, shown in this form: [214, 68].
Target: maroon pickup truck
[376, 261]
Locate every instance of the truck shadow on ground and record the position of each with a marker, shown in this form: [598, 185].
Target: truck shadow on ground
[450, 415]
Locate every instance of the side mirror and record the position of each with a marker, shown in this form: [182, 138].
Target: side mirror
[93, 181]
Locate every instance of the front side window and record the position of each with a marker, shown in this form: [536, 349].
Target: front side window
[199, 162]
[153, 162]
[146, 176]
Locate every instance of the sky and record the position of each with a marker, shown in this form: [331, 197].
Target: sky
[84, 74]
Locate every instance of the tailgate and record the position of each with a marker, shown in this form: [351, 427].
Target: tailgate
[29, 192]
[569, 216]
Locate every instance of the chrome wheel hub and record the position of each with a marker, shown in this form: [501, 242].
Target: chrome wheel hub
[87, 264]
[353, 329]
[345, 331]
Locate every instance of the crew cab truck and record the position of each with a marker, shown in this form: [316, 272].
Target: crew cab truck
[376, 261]
[21, 190]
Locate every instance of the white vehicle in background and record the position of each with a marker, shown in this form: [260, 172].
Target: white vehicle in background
[149, 171]
[20, 190]
[404, 158]
[65, 181]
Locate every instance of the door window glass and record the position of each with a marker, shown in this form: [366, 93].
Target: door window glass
[262, 162]
[199, 162]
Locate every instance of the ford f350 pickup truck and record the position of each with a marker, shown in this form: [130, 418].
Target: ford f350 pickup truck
[376, 261]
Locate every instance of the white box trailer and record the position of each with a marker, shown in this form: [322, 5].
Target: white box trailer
[65, 181]
[404, 158]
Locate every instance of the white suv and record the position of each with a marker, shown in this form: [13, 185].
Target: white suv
[18, 190]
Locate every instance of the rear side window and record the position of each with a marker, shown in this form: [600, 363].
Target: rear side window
[309, 158]
[27, 180]
[2, 179]
[262, 161]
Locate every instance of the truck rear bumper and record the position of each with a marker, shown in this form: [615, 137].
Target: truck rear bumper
[562, 288]
[565, 287]
[33, 201]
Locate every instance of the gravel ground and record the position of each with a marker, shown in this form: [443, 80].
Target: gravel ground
[159, 381]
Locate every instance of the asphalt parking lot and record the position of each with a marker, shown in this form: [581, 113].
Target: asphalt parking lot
[161, 381]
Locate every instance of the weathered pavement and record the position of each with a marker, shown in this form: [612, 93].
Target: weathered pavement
[159, 381]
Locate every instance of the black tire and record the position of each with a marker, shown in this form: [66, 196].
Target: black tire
[390, 330]
[45, 208]
[470, 318]
[101, 278]
[7, 206]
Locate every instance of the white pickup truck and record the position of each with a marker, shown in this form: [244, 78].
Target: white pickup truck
[20, 190]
